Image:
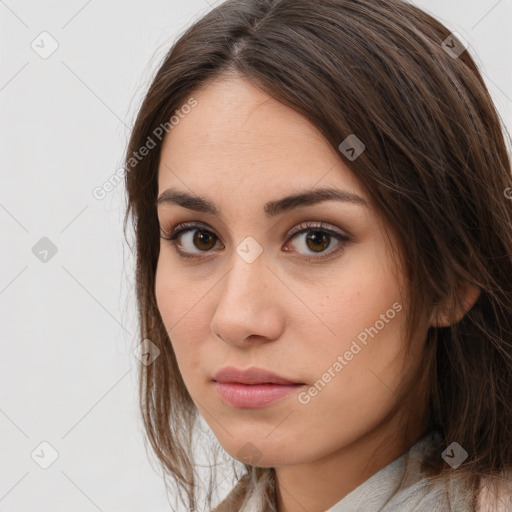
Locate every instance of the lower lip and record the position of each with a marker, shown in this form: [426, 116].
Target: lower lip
[253, 396]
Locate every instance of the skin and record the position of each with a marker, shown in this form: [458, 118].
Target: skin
[239, 148]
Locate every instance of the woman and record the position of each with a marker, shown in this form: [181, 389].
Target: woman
[320, 198]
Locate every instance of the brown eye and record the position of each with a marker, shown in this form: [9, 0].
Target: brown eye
[318, 241]
[203, 240]
[195, 241]
[190, 240]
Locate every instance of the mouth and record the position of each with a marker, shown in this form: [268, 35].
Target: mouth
[252, 376]
[252, 388]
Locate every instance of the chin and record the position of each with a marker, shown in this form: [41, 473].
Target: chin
[264, 453]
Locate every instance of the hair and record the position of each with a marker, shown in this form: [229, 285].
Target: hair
[436, 167]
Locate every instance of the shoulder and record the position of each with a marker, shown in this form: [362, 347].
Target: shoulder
[495, 493]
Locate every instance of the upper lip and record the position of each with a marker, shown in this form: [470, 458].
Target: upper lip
[250, 376]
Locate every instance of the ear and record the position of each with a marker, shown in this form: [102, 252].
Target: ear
[444, 316]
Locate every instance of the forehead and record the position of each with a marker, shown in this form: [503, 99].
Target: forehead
[239, 139]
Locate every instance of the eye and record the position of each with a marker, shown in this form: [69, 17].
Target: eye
[190, 239]
[187, 236]
[316, 239]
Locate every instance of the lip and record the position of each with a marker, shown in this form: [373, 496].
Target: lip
[252, 388]
[251, 375]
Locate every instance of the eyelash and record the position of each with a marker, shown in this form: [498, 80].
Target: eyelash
[303, 227]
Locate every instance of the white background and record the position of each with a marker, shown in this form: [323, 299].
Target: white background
[68, 326]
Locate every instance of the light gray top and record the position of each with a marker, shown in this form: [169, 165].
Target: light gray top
[382, 491]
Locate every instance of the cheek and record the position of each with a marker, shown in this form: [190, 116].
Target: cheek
[354, 384]
[361, 289]
[167, 286]
[359, 338]
[179, 298]
[180, 306]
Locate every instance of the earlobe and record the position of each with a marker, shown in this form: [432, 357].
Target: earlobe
[446, 316]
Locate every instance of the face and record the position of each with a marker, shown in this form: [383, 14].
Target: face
[307, 290]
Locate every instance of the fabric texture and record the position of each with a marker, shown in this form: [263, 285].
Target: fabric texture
[386, 492]
[382, 492]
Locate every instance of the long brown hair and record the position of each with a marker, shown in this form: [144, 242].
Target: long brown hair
[435, 165]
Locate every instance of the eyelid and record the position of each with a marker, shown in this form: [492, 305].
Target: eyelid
[307, 226]
[183, 226]
[321, 226]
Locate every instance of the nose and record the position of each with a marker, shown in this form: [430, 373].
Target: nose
[249, 308]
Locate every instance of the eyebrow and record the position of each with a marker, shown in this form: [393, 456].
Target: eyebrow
[271, 209]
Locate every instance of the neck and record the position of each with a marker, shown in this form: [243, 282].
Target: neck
[320, 484]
